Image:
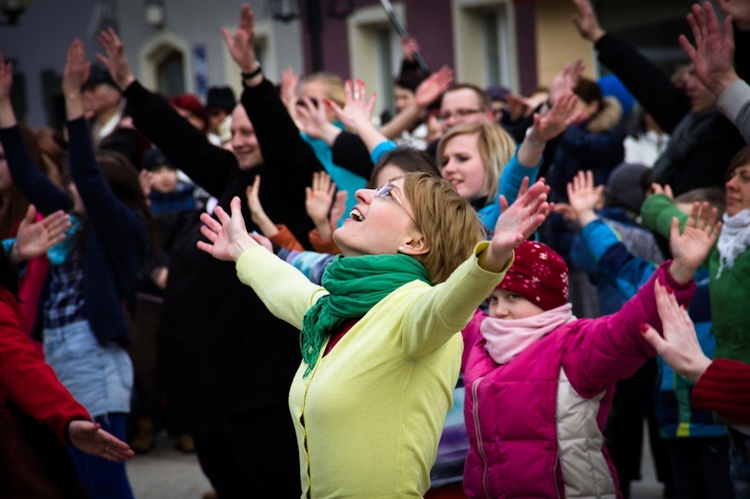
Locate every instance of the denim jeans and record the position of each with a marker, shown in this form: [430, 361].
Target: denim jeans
[101, 478]
[739, 456]
[99, 377]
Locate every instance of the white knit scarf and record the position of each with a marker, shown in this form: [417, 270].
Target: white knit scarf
[506, 338]
[733, 240]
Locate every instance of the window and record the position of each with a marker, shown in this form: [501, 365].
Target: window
[170, 74]
[485, 24]
[375, 51]
[166, 65]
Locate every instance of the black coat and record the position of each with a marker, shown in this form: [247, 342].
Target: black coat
[221, 352]
[707, 163]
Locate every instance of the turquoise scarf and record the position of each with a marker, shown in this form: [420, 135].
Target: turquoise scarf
[355, 284]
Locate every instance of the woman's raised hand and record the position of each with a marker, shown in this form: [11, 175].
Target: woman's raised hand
[713, 54]
[115, 60]
[679, 346]
[75, 74]
[517, 222]
[6, 78]
[691, 247]
[357, 110]
[556, 120]
[34, 238]
[433, 86]
[227, 237]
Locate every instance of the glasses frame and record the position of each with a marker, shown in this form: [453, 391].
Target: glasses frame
[382, 192]
[461, 113]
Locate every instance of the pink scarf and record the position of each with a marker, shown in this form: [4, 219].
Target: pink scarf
[506, 338]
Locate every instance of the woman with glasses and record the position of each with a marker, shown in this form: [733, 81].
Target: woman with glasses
[380, 353]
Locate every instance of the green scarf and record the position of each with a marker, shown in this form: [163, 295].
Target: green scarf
[355, 284]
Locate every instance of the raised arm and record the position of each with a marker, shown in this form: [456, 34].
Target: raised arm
[284, 290]
[516, 223]
[278, 136]
[649, 84]
[679, 346]
[35, 186]
[713, 59]
[428, 92]
[207, 165]
[713, 53]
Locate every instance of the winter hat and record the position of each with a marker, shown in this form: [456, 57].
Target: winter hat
[625, 185]
[154, 158]
[498, 92]
[221, 98]
[192, 104]
[538, 274]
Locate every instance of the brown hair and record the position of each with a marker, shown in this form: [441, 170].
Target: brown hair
[715, 197]
[407, 159]
[742, 158]
[122, 178]
[447, 221]
[495, 145]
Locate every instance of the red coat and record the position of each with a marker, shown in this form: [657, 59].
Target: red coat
[27, 379]
[725, 389]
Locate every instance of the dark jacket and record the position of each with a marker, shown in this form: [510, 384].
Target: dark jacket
[596, 145]
[706, 160]
[221, 351]
[116, 243]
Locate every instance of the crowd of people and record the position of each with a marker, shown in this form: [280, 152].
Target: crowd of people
[477, 294]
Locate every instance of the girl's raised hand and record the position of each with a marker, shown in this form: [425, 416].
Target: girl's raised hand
[227, 237]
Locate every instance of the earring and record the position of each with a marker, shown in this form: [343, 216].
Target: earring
[400, 249]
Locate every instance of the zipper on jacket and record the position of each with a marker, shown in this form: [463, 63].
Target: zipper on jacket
[554, 473]
[480, 444]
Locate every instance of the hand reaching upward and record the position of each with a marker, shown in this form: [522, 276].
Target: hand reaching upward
[115, 60]
[240, 44]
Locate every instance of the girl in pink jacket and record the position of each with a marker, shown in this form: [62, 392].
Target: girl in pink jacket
[539, 382]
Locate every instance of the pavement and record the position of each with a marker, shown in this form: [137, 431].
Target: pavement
[166, 473]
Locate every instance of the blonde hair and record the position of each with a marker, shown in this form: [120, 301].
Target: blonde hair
[447, 221]
[334, 83]
[495, 145]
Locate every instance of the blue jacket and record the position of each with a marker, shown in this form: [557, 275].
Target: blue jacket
[674, 414]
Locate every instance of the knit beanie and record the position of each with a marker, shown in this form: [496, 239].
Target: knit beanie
[625, 185]
[192, 104]
[538, 274]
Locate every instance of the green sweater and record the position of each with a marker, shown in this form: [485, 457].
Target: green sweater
[369, 417]
[730, 294]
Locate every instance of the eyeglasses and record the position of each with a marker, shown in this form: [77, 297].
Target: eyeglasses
[387, 191]
[459, 113]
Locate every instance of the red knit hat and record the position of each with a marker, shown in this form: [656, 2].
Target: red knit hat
[538, 274]
[192, 104]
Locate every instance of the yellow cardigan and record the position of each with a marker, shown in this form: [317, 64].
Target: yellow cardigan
[369, 417]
